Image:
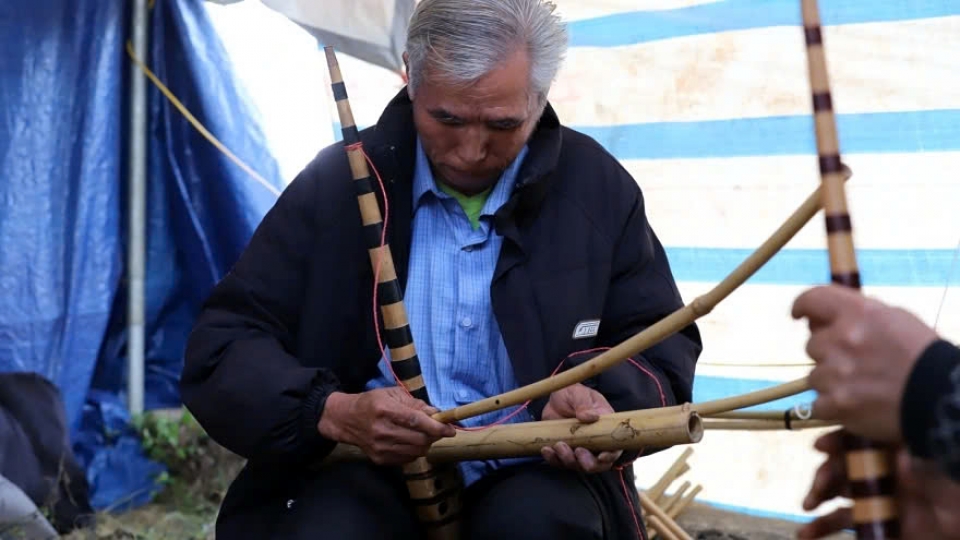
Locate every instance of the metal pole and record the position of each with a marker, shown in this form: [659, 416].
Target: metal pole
[137, 209]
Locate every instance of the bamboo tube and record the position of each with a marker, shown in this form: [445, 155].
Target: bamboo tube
[673, 499]
[870, 467]
[684, 502]
[435, 493]
[612, 432]
[757, 415]
[658, 527]
[764, 425]
[659, 331]
[667, 523]
[750, 399]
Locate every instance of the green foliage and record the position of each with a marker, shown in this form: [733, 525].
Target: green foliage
[170, 439]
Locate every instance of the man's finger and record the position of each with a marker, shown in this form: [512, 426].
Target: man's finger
[550, 456]
[831, 523]
[828, 482]
[820, 304]
[831, 443]
[824, 408]
[420, 421]
[561, 404]
[586, 459]
[588, 413]
[566, 455]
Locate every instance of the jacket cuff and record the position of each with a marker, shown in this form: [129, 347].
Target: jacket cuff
[324, 383]
[928, 382]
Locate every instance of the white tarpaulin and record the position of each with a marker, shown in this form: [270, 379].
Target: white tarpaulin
[371, 30]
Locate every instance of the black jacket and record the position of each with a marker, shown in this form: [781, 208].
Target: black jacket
[292, 320]
[930, 408]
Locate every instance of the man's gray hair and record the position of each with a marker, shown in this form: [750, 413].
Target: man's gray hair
[460, 41]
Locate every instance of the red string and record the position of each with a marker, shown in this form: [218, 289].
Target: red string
[376, 281]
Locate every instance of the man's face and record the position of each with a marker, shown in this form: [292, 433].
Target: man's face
[472, 134]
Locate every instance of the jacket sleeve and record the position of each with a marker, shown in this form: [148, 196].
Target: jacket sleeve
[643, 291]
[930, 409]
[241, 377]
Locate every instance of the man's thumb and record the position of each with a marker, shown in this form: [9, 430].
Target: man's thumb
[587, 412]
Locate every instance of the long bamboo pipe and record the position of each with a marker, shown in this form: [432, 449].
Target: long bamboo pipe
[656, 333]
[628, 431]
[435, 493]
[870, 468]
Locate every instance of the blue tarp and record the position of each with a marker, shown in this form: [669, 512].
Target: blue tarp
[64, 79]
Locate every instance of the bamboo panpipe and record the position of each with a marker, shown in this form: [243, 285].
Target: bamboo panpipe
[870, 468]
[435, 493]
[628, 431]
[663, 329]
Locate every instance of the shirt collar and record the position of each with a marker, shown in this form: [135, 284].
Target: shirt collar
[424, 182]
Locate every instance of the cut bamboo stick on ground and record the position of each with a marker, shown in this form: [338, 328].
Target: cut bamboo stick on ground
[676, 510]
[656, 490]
[660, 520]
[672, 500]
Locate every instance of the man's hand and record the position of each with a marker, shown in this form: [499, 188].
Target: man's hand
[390, 427]
[586, 405]
[865, 351]
[926, 498]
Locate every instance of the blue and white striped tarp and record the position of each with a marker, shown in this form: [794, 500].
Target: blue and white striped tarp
[707, 104]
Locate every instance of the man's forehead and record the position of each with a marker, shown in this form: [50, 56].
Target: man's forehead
[480, 111]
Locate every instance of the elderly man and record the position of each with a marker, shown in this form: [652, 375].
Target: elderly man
[521, 246]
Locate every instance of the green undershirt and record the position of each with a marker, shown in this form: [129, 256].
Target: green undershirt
[471, 204]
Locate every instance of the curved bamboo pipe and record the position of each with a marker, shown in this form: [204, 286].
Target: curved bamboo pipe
[869, 468]
[656, 333]
[435, 493]
[628, 431]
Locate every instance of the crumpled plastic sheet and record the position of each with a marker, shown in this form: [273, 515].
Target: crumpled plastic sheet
[64, 96]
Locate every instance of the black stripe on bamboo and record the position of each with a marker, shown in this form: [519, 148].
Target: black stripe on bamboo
[869, 467]
[435, 492]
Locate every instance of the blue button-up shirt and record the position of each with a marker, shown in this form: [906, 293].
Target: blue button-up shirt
[462, 354]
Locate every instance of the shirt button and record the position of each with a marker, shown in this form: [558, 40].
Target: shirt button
[468, 248]
[462, 395]
[466, 322]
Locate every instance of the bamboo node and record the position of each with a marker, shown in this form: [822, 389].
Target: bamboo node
[701, 306]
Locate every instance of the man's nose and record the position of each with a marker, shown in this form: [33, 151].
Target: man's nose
[472, 146]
